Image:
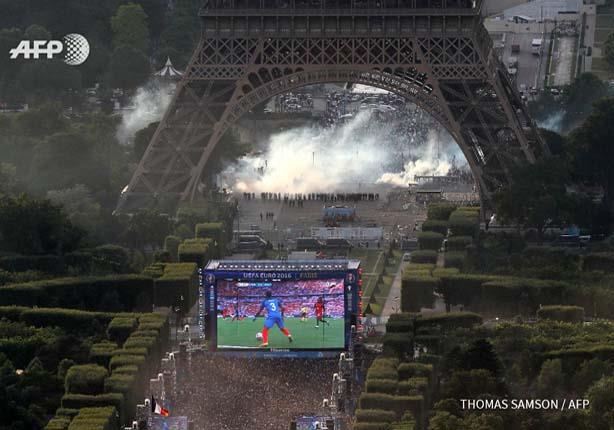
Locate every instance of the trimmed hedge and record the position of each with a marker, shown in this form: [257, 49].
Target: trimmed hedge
[572, 314]
[171, 245]
[449, 320]
[419, 267]
[69, 320]
[459, 243]
[79, 401]
[69, 413]
[464, 289]
[126, 370]
[216, 232]
[449, 271]
[128, 292]
[430, 240]
[198, 251]
[399, 326]
[440, 211]
[154, 270]
[58, 423]
[374, 416]
[51, 264]
[556, 258]
[101, 353]
[418, 292]
[465, 222]
[120, 328]
[411, 370]
[424, 257]
[454, 259]
[387, 386]
[126, 360]
[104, 418]
[599, 261]
[141, 342]
[119, 383]
[387, 402]
[85, 379]
[436, 226]
[383, 368]
[397, 344]
[414, 386]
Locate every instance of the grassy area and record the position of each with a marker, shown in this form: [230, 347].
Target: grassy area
[382, 289]
[367, 257]
[601, 68]
[242, 334]
[601, 35]
[605, 21]
[371, 262]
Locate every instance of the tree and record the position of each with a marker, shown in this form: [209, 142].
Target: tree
[601, 400]
[78, 204]
[481, 355]
[590, 372]
[142, 139]
[42, 121]
[183, 32]
[147, 228]
[470, 384]
[445, 421]
[62, 160]
[537, 196]
[555, 142]
[49, 78]
[550, 381]
[94, 69]
[129, 26]
[578, 99]
[592, 151]
[128, 68]
[29, 226]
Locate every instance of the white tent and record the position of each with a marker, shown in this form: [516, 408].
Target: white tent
[168, 71]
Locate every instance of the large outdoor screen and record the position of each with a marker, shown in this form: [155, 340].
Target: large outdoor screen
[285, 314]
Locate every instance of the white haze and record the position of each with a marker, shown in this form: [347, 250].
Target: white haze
[553, 123]
[427, 159]
[146, 106]
[315, 159]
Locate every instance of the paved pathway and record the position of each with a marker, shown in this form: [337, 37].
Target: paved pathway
[393, 302]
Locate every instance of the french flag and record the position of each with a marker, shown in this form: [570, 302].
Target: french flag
[156, 408]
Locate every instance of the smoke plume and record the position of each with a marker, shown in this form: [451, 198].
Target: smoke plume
[147, 105]
[362, 151]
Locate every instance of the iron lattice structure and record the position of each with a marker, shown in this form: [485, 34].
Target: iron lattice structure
[435, 53]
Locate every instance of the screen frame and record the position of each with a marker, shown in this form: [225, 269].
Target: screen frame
[209, 292]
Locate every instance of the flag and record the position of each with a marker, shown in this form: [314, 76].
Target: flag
[157, 409]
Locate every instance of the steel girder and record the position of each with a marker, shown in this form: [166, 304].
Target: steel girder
[454, 77]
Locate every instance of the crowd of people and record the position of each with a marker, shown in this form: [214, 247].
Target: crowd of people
[241, 302]
[297, 199]
[225, 393]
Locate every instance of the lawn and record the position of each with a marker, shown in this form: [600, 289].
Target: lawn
[242, 334]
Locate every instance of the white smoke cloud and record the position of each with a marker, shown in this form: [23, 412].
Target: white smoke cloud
[314, 159]
[150, 103]
[427, 159]
[554, 122]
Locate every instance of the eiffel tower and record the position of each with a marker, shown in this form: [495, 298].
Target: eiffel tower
[435, 53]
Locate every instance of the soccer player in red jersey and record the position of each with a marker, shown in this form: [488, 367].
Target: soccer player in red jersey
[319, 309]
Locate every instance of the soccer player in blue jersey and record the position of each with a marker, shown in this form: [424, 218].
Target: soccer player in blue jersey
[274, 315]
